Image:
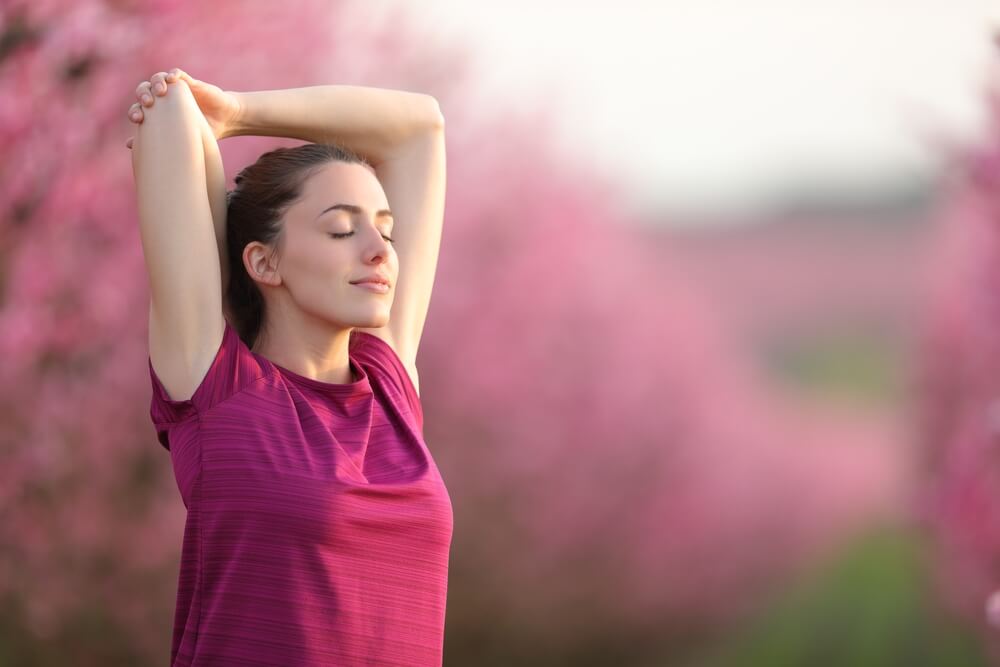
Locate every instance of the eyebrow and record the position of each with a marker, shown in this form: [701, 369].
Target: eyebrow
[350, 208]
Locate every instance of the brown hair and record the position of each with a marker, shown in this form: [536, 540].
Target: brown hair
[254, 211]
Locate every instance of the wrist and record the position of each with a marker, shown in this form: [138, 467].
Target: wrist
[237, 123]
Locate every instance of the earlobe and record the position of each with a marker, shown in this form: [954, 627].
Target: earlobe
[269, 276]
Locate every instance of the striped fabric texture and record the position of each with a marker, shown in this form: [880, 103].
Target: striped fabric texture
[318, 525]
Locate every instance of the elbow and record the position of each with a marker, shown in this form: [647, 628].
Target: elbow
[434, 113]
[175, 113]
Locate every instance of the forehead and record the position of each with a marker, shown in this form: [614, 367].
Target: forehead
[343, 182]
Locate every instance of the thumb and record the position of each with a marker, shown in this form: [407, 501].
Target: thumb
[187, 78]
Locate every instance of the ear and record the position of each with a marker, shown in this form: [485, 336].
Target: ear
[259, 262]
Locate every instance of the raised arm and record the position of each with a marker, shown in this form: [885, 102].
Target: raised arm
[221, 107]
[374, 122]
[180, 239]
[402, 135]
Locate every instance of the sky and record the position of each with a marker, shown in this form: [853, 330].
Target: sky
[711, 105]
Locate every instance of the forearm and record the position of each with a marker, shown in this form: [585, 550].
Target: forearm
[215, 182]
[370, 121]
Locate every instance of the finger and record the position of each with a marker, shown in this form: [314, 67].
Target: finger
[158, 83]
[135, 113]
[184, 76]
[143, 93]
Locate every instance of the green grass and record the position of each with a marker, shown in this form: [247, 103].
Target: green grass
[869, 606]
[842, 366]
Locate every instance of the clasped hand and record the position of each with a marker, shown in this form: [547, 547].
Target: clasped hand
[222, 109]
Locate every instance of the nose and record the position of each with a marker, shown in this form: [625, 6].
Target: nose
[379, 245]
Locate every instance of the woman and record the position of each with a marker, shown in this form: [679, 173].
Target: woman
[318, 525]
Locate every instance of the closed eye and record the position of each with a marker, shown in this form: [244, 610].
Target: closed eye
[346, 234]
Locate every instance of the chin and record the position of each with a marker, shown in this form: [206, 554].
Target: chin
[372, 322]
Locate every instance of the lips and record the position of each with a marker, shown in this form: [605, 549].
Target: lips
[371, 279]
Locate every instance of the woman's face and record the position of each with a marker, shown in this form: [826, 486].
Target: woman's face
[317, 268]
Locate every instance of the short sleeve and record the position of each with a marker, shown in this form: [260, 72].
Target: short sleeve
[388, 363]
[234, 368]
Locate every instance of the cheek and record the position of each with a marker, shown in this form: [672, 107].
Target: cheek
[327, 254]
[318, 268]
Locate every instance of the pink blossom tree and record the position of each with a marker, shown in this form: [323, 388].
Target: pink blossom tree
[613, 463]
[958, 406]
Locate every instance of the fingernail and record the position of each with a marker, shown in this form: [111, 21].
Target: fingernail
[147, 99]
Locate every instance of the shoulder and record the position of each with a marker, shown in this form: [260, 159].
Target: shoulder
[381, 346]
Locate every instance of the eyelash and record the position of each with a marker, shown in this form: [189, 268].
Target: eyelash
[346, 234]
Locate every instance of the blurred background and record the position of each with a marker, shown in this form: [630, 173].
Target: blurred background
[712, 366]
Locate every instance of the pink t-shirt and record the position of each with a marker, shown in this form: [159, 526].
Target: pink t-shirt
[318, 526]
